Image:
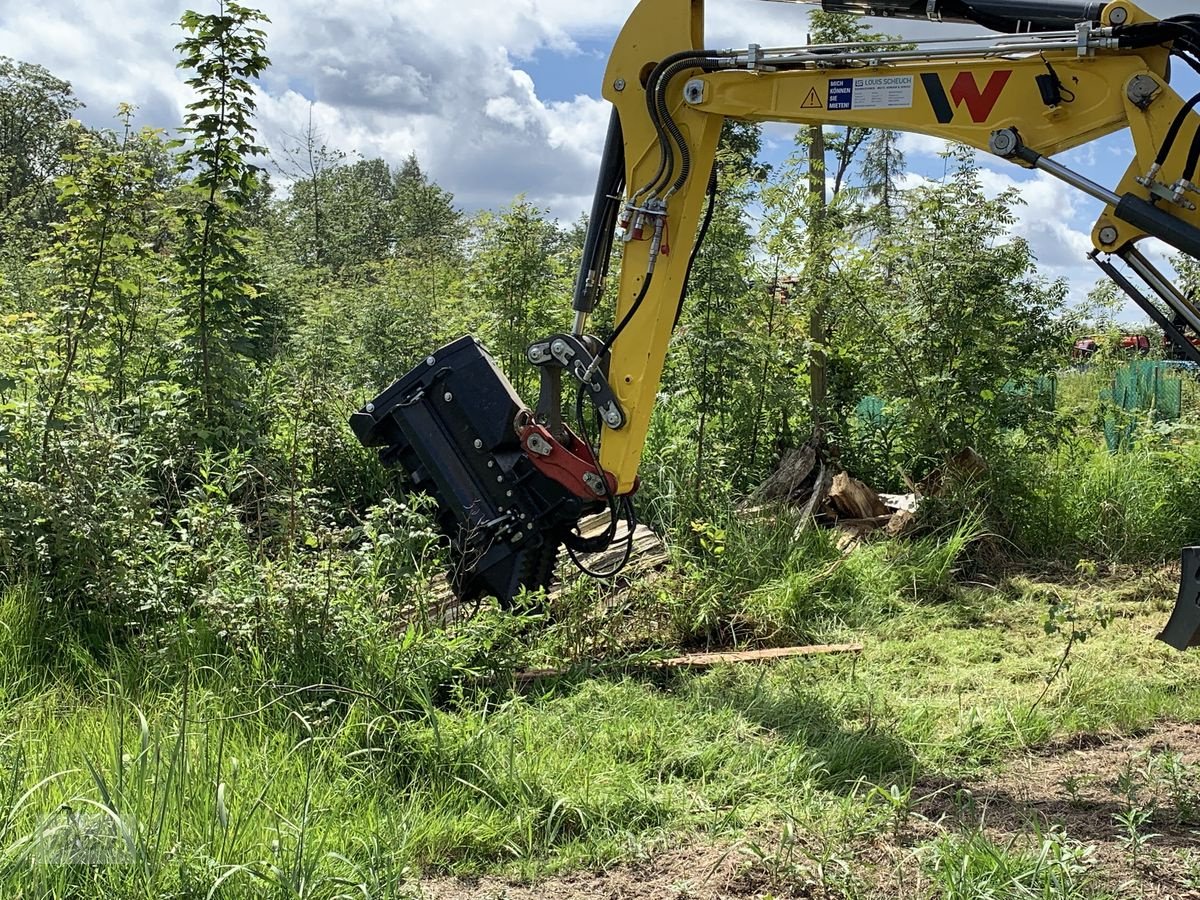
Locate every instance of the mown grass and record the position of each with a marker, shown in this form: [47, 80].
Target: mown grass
[216, 780]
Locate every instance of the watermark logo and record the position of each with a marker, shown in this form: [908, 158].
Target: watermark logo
[88, 836]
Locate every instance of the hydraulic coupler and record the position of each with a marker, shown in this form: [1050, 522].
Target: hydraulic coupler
[452, 424]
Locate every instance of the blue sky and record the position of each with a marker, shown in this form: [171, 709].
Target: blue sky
[496, 99]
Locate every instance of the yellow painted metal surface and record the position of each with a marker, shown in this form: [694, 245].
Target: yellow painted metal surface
[656, 29]
[1149, 128]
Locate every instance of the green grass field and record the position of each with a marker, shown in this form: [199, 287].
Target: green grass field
[209, 777]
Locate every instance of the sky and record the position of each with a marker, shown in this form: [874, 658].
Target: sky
[495, 98]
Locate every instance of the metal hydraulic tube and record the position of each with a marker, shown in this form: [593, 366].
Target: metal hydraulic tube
[1186, 347]
[1162, 286]
[1061, 172]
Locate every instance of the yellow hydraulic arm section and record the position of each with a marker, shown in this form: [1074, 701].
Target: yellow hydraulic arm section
[1025, 97]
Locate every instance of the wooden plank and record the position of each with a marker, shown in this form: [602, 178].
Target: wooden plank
[705, 660]
[702, 660]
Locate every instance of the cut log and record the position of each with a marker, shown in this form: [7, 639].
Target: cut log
[852, 499]
[900, 522]
[791, 482]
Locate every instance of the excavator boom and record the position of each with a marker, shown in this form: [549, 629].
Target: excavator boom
[512, 481]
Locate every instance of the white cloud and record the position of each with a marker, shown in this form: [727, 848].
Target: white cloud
[449, 80]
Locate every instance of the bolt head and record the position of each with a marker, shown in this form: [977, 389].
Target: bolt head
[447, 396]
[619, 85]
[478, 444]
[370, 407]
[1108, 235]
[430, 360]
[1003, 142]
[1119, 15]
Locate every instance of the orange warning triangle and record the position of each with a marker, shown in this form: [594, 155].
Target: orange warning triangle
[812, 101]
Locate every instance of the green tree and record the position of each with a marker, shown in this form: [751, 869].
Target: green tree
[96, 266]
[426, 224]
[881, 169]
[226, 53]
[519, 280]
[947, 320]
[340, 216]
[35, 108]
[729, 329]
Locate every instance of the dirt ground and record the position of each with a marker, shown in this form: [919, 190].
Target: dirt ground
[1082, 786]
[1079, 786]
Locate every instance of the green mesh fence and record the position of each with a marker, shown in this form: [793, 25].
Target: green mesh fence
[1148, 386]
[870, 412]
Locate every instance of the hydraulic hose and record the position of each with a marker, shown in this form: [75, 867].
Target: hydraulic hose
[1173, 132]
[666, 158]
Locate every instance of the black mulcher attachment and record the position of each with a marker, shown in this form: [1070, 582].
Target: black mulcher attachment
[451, 424]
[1183, 630]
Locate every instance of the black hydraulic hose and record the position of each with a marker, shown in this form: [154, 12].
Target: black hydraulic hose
[700, 236]
[1183, 32]
[1173, 132]
[664, 115]
[685, 153]
[637, 303]
[578, 543]
[660, 114]
[1193, 157]
[627, 318]
[1011, 16]
[665, 156]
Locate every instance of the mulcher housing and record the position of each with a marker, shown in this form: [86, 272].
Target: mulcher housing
[449, 423]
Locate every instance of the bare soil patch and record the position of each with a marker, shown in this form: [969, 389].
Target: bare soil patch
[692, 873]
[1084, 786]
[1080, 786]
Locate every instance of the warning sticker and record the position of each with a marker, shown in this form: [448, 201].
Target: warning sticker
[882, 92]
[812, 101]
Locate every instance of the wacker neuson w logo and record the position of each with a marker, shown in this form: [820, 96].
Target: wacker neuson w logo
[965, 91]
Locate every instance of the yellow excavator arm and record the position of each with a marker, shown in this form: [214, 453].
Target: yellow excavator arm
[513, 481]
[988, 96]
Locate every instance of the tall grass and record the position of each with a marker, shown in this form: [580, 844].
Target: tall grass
[1140, 505]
